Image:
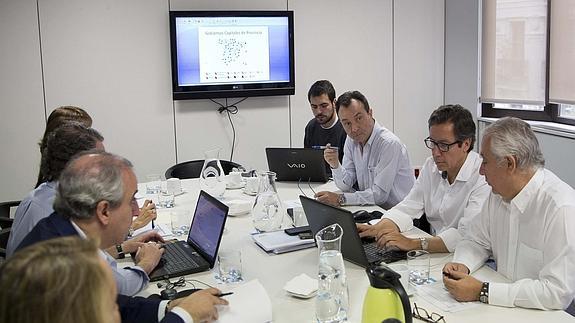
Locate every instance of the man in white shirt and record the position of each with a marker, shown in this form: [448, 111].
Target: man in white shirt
[449, 190]
[375, 168]
[527, 225]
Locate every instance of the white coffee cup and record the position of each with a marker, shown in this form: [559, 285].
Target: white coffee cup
[234, 179]
[174, 186]
[252, 185]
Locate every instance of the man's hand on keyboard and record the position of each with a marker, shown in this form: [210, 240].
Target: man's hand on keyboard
[148, 256]
[385, 226]
[398, 240]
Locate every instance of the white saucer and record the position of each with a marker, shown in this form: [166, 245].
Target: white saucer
[230, 186]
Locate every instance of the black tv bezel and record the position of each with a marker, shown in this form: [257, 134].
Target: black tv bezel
[231, 90]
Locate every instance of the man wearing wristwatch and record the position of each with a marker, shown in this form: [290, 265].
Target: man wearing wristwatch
[527, 225]
[449, 190]
[375, 167]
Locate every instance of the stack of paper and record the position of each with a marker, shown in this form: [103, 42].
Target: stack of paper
[280, 242]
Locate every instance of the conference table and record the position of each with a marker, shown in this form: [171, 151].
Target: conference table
[273, 271]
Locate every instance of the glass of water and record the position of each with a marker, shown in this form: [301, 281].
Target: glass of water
[418, 263]
[229, 266]
[154, 184]
[180, 220]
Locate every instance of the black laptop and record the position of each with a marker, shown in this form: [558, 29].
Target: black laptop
[362, 252]
[297, 164]
[199, 252]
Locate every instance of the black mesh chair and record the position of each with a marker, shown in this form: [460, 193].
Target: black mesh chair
[5, 220]
[193, 168]
[4, 235]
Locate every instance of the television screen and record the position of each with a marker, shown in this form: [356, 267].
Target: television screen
[221, 54]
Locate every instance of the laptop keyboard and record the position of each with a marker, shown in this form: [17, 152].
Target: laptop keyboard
[375, 254]
[176, 259]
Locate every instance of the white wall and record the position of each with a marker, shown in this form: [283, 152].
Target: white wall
[21, 98]
[112, 58]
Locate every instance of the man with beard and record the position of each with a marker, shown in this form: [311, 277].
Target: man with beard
[325, 128]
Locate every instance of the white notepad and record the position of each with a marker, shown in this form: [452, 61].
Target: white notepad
[280, 242]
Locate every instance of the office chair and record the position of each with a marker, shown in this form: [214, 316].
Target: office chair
[4, 235]
[193, 168]
[5, 220]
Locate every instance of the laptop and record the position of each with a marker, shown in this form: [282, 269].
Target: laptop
[362, 252]
[297, 164]
[198, 253]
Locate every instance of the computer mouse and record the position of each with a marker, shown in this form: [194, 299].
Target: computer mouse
[168, 293]
[376, 214]
[361, 216]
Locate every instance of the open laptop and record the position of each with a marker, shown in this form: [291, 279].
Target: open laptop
[297, 164]
[362, 252]
[199, 252]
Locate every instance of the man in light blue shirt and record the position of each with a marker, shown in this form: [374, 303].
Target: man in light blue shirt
[65, 142]
[376, 167]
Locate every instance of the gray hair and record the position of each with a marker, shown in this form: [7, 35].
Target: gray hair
[90, 177]
[514, 137]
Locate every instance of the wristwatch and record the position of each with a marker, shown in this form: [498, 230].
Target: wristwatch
[120, 251]
[484, 293]
[341, 199]
[424, 243]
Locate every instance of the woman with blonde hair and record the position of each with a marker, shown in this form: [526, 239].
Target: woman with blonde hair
[60, 280]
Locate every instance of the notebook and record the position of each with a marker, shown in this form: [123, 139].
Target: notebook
[297, 164]
[362, 252]
[198, 253]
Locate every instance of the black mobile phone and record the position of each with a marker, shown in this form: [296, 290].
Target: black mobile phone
[297, 230]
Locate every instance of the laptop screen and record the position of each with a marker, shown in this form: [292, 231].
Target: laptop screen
[207, 226]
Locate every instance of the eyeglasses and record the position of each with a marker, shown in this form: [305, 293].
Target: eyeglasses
[443, 147]
[421, 314]
[308, 184]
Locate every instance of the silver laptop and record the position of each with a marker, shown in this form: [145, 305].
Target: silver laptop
[297, 164]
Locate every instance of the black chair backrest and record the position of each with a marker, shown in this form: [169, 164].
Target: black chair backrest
[5, 220]
[193, 168]
[4, 235]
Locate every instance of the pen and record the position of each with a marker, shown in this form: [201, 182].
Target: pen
[225, 294]
[324, 147]
[153, 225]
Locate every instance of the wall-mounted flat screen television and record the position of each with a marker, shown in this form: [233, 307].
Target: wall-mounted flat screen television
[222, 54]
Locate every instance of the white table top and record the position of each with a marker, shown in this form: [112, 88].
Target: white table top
[273, 271]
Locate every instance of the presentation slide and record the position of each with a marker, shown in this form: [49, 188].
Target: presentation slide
[234, 54]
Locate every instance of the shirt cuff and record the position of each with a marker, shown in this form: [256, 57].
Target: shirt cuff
[451, 238]
[162, 310]
[403, 221]
[499, 294]
[183, 314]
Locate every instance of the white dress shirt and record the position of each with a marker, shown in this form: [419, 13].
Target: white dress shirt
[448, 207]
[532, 239]
[382, 170]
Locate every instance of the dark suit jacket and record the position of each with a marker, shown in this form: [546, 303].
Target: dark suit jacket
[132, 309]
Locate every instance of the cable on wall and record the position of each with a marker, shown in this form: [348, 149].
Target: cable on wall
[230, 109]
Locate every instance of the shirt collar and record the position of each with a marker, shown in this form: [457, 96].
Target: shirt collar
[467, 169]
[103, 255]
[333, 124]
[521, 200]
[376, 128]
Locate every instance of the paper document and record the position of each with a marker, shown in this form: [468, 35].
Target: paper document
[280, 242]
[249, 303]
[437, 295]
[163, 229]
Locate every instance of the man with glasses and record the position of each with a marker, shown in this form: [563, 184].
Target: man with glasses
[527, 225]
[449, 191]
[375, 168]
